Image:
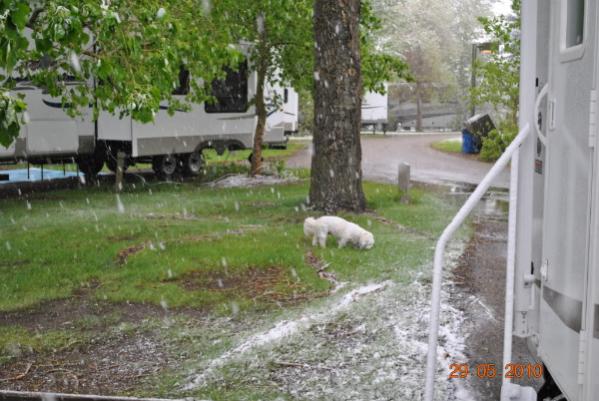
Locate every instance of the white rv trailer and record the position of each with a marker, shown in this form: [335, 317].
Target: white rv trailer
[283, 111]
[178, 140]
[552, 275]
[375, 110]
[169, 143]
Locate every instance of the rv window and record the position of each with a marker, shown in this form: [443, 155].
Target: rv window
[574, 22]
[231, 93]
[183, 88]
[285, 95]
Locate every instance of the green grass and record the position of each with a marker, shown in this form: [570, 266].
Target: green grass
[67, 240]
[179, 235]
[242, 155]
[448, 145]
[16, 341]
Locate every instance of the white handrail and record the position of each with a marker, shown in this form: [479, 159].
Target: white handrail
[459, 218]
[510, 273]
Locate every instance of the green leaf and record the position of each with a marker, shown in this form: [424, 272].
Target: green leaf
[20, 15]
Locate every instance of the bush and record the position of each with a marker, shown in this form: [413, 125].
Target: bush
[495, 143]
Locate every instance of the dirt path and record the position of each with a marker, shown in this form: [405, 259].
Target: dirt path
[381, 156]
[480, 283]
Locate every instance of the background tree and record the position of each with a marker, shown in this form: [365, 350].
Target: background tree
[281, 51]
[278, 33]
[499, 80]
[131, 50]
[499, 72]
[130, 54]
[435, 38]
[336, 163]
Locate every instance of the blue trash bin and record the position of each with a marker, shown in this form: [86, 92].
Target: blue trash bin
[470, 144]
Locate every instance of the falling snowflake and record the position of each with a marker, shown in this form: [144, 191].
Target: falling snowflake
[119, 204]
[74, 60]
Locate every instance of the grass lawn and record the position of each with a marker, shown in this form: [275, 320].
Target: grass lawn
[269, 154]
[187, 249]
[448, 145]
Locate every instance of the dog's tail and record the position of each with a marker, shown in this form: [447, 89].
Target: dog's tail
[310, 225]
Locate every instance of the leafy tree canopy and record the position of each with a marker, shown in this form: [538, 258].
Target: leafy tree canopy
[130, 51]
[499, 73]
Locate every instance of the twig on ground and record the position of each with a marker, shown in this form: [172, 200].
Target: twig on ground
[19, 376]
[299, 365]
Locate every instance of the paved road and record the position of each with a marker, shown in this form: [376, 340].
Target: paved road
[382, 155]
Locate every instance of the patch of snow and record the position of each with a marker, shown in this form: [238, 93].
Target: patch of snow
[282, 329]
[244, 181]
[369, 343]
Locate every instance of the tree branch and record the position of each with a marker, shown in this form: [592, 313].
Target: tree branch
[34, 16]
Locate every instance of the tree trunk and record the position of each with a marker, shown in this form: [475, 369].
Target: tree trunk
[256, 167]
[336, 178]
[418, 107]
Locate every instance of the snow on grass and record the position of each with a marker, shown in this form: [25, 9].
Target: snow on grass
[244, 181]
[367, 344]
[284, 329]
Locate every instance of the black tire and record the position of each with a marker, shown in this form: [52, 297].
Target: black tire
[193, 163]
[111, 163]
[165, 166]
[92, 164]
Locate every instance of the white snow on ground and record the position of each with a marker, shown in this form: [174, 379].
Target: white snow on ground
[244, 181]
[283, 329]
[367, 344]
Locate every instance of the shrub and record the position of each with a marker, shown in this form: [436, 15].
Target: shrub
[495, 143]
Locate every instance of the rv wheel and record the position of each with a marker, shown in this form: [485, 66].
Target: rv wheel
[91, 165]
[164, 166]
[193, 163]
[111, 163]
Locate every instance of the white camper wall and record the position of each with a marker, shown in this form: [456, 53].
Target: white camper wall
[184, 131]
[282, 118]
[50, 132]
[286, 114]
[568, 167]
[375, 108]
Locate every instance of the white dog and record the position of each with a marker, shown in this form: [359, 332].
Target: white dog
[343, 230]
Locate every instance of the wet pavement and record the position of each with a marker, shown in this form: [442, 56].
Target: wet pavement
[381, 156]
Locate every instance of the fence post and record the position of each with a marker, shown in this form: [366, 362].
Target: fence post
[403, 182]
